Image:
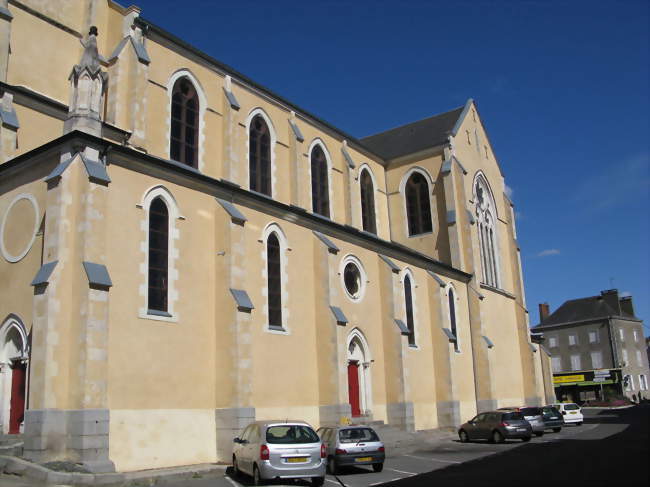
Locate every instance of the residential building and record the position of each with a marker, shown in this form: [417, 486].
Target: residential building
[597, 346]
[185, 251]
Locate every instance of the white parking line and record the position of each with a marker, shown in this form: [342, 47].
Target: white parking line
[333, 481]
[430, 458]
[376, 483]
[400, 471]
[235, 484]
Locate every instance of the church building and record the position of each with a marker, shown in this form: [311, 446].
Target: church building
[183, 251]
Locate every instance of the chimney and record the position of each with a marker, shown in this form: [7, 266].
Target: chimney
[626, 305]
[610, 296]
[543, 312]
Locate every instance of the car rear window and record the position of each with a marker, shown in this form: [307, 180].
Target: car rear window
[571, 407]
[291, 434]
[513, 416]
[354, 435]
[549, 411]
[531, 411]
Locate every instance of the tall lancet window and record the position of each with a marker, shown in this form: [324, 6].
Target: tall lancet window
[486, 223]
[259, 157]
[274, 280]
[367, 202]
[418, 206]
[452, 316]
[184, 138]
[158, 255]
[319, 185]
[408, 298]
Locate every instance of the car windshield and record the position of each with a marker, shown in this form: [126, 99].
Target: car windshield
[571, 407]
[355, 435]
[531, 411]
[513, 416]
[549, 411]
[290, 434]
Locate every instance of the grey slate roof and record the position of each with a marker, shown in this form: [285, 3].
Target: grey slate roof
[331, 246]
[413, 137]
[44, 273]
[244, 303]
[403, 329]
[235, 215]
[232, 99]
[450, 334]
[391, 264]
[97, 274]
[582, 309]
[339, 315]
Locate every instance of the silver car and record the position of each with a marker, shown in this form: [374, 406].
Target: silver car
[352, 445]
[279, 450]
[533, 415]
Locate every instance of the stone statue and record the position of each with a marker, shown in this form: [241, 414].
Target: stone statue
[90, 57]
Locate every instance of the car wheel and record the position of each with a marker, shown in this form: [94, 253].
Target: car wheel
[557, 430]
[377, 467]
[497, 437]
[464, 438]
[525, 439]
[539, 433]
[317, 481]
[235, 467]
[331, 466]
[257, 480]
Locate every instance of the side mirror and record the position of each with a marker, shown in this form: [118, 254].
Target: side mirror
[236, 440]
[563, 413]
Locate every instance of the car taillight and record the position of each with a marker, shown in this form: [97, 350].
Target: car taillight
[264, 452]
[381, 449]
[505, 423]
[323, 450]
[340, 451]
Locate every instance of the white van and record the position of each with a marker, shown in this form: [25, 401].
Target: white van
[571, 413]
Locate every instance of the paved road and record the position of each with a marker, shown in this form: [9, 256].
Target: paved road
[611, 447]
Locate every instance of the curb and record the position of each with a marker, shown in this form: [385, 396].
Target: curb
[18, 466]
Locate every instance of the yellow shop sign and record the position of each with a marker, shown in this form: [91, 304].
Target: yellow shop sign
[568, 378]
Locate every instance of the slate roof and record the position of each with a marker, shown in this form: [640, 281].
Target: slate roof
[413, 137]
[582, 309]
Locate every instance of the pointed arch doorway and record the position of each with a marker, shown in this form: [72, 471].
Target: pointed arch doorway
[13, 374]
[358, 369]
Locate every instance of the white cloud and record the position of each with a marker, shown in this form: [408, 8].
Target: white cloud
[509, 191]
[547, 252]
[625, 294]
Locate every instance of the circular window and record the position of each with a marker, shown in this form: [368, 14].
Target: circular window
[353, 278]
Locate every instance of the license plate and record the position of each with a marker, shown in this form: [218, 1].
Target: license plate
[521, 429]
[572, 412]
[296, 460]
[554, 417]
[363, 459]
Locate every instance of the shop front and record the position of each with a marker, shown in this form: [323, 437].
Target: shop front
[588, 385]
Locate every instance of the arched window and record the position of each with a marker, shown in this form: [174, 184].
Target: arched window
[274, 280]
[452, 316]
[418, 206]
[367, 202]
[158, 255]
[486, 224]
[259, 157]
[319, 187]
[184, 137]
[408, 298]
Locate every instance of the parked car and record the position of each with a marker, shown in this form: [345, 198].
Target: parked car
[552, 418]
[496, 426]
[571, 412]
[531, 414]
[352, 445]
[279, 450]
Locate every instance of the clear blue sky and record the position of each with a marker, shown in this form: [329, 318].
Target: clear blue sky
[561, 86]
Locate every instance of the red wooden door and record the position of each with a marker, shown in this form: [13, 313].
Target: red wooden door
[353, 387]
[17, 404]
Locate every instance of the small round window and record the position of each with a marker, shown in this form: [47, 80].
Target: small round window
[353, 278]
